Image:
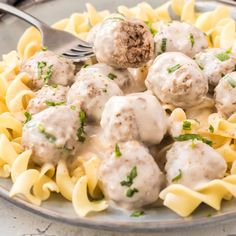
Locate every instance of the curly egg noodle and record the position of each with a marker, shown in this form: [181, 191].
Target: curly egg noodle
[36, 184]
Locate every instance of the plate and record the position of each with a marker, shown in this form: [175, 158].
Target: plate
[156, 219]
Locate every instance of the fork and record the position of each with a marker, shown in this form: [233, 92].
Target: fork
[58, 41]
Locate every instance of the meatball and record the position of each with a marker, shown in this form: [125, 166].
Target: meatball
[177, 80]
[47, 96]
[121, 77]
[123, 43]
[90, 93]
[134, 117]
[216, 63]
[92, 33]
[133, 179]
[51, 134]
[225, 95]
[180, 37]
[48, 68]
[193, 163]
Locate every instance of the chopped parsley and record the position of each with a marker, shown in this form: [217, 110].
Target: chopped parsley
[112, 76]
[187, 125]
[80, 131]
[45, 48]
[72, 107]
[137, 214]
[130, 177]
[229, 50]
[51, 138]
[85, 65]
[41, 65]
[173, 68]
[54, 85]
[185, 137]
[201, 67]
[53, 104]
[177, 177]
[163, 44]
[129, 181]
[48, 74]
[211, 129]
[209, 215]
[223, 56]
[131, 191]
[150, 27]
[117, 151]
[191, 38]
[28, 117]
[231, 81]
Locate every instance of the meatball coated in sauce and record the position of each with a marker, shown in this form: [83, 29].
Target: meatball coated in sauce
[193, 163]
[176, 79]
[51, 134]
[146, 181]
[121, 77]
[48, 68]
[216, 63]
[123, 43]
[225, 95]
[47, 96]
[180, 37]
[134, 117]
[92, 33]
[90, 92]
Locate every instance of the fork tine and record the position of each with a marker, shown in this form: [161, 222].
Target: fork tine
[81, 54]
[81, 50]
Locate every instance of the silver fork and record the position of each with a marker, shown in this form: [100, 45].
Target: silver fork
[58, 41]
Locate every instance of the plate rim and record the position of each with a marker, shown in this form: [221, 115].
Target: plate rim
[122, 227]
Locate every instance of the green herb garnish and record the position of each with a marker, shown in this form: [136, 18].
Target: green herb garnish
[131, 191]
[80, 131]
[72, 107]
[85, 65]
[53, 104]
[137, 214]
[51, 138]
[173, 68]
[163, 44]
[223, 56]
[191, 38]
[231, 81]
[130, 177]
[28, 117]
[149, 25]
[41, 65]
[201, 67]
[48, 74]
[45, 48]
[112, 76]
[211, 129]
[186, 125]
[177, 177]
[117, 151]
[186, 137]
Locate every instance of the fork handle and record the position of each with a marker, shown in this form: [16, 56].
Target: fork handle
[23, 15]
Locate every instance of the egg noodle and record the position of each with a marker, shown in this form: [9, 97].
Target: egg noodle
[36, 184]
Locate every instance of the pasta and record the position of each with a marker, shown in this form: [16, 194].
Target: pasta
[79, 183]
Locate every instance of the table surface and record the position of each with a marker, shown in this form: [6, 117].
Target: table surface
[17, 222]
